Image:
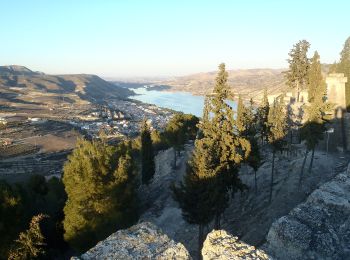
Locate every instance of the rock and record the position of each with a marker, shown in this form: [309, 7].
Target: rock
[221, 245]
[142, 241]
[319, 228]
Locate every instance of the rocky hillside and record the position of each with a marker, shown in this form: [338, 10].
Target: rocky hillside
[18, 82]
[308, 222]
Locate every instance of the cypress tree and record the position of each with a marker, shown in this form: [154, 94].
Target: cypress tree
[213, 170]
[180, 129]
[297, 75]
[232, 148]
[315, 79]
[175, 134]
[147, 155]
[195, 193]
[241, 114]
[276, 132]
[317, 112]
[262, 114]
[254, 159]
[344, 67]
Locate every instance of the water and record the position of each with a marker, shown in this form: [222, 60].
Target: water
[179, 101]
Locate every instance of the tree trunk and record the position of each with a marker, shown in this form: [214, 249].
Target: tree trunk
[312, 159]
[302, 167]
[200, 241]
[298, 92]
[256, 184]
[272, 170]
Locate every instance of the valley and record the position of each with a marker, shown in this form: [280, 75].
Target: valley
[42, 116]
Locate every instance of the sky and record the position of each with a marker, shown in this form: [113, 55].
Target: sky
[160, 38]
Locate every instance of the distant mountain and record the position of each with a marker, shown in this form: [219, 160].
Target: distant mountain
[20, 81]
[16, 70]
[249, 82]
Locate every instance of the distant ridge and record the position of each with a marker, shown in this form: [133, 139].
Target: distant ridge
[19, 81]
[250, 83]
[17, 70]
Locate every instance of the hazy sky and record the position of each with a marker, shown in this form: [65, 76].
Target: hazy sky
[125, 38]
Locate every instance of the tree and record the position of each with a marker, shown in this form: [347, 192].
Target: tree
[175, 135]
[317, 112]
[147, 155]
[245, 118]
[344, 67]
[298, 67]
[11, 214]
[232, 148]
[276, 132]
[213, 170]
[316, 83]
[180, 129]
[262, 116]
[254, 159]
[195, 193]
[96, 204]
[125, 191]
[31, 243]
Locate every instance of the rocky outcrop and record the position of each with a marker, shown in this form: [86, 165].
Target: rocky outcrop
[142, 241]
[221, 245]
[316, 229]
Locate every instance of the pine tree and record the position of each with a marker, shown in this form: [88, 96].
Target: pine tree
[298, 67]
[97, 201]
[147, 155]
[31, 243]
[262, 116]
[276, 132]
[11, 215]
[344, 67]
[125, 192]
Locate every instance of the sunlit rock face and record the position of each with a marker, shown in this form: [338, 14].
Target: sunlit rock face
[221, 245]
[142, 241]
[316, 229]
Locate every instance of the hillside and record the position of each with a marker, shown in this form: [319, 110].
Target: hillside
[247, 82]
[18, 84]
[250, 82]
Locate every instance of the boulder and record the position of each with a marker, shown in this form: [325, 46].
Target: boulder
[221, 245]
[142, 241]
[319, 228]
